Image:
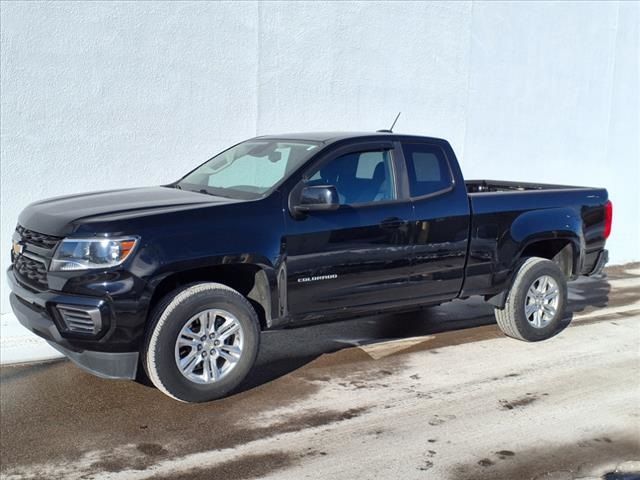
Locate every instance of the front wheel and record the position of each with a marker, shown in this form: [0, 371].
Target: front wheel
[536, 302]
[202, 342]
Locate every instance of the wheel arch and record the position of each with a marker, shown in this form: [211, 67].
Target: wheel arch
[563, 251]
[554, 234]
[249, 279]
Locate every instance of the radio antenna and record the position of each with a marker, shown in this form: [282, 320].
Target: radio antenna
[392, 125]
[394, 122]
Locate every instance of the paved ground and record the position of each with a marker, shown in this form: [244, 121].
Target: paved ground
[438, 394]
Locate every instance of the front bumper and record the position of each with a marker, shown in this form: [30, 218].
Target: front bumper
[33, 311]
[112, 365]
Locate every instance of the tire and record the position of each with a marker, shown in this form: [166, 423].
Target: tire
[541, 324]
[192, 315]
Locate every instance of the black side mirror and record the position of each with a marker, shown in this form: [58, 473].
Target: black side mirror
[316, 198]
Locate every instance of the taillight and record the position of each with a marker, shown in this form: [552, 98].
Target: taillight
[608, 218]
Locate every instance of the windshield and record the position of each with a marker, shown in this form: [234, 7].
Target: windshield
[249, 169]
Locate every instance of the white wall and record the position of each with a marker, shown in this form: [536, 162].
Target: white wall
[101, 95]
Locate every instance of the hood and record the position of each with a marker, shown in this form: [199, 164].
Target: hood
[54, 216]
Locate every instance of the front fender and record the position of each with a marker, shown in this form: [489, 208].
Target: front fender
[226, 269]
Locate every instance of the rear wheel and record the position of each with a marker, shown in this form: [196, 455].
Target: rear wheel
[202, 342]
[535, 305]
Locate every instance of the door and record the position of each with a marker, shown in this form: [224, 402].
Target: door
[440, 222]
[357, 256]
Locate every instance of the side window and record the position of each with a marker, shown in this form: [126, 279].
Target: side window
[360, 177]
[427, 168]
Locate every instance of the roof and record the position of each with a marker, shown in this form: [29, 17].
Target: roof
[331, 137]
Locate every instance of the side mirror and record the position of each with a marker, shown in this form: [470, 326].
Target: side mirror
[318, 198]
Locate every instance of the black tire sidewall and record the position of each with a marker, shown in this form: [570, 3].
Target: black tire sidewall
[167, 370]
[528, 331]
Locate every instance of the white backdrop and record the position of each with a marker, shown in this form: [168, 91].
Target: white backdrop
[105, 95]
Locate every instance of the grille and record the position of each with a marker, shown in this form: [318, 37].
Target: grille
[81, 319]
[31, 271]
[38, 239]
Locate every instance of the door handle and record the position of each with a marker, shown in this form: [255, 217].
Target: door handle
[392, 223]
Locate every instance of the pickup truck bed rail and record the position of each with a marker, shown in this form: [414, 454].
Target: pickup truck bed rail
[483, 186]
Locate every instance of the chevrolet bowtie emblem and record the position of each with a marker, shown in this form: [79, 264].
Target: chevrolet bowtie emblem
[17, 248]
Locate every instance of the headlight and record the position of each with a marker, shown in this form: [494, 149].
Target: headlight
[87, 253]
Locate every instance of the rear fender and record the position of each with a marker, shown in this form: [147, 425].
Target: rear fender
[549, 224]
[537, 226]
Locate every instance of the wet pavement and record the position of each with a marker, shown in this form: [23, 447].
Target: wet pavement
[437, 393]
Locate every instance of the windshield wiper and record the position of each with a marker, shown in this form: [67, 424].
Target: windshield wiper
[207, 192]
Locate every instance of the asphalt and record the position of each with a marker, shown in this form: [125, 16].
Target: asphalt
[435, 393]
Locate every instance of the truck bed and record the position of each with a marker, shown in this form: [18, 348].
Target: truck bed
[485, 186]
[504, 213]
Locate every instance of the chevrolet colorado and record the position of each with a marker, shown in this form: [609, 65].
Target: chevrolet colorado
[178, 281]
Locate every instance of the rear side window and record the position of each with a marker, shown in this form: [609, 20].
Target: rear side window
[427, 167]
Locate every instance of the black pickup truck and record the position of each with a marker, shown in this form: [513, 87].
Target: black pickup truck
[177, 281]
